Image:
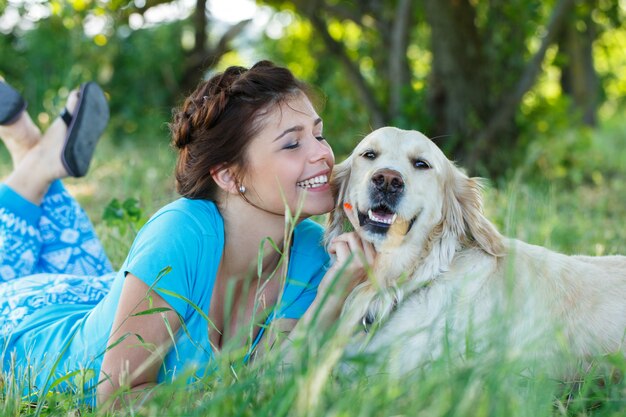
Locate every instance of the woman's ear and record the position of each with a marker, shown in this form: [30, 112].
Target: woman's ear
[225, 179]
[339, 183]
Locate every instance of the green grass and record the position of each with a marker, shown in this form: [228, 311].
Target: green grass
[577, 208]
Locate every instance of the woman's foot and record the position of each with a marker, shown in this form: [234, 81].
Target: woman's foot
[48, 151]
[42, 164]
[19, 133]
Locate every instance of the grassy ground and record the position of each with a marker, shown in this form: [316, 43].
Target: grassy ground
[577, 209]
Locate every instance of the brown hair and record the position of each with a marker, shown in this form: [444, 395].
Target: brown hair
[216, 122]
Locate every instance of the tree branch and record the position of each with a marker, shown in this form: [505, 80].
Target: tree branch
[311, 10]
[199, 59]
[511, 102]
[223, 45]
[354, 74]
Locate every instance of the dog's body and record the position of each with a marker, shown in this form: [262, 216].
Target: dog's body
[445, 276]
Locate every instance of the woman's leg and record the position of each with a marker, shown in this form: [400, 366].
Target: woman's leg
[42, 228]
[28, 240]
[40, 165]
[21, 298]
[20, 240]
[69, 242]
[17, 130]
[56, 237]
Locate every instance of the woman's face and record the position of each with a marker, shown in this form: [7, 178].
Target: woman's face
[289, 161]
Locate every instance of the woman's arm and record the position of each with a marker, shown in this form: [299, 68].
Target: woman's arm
[353, 259]
[135, 361]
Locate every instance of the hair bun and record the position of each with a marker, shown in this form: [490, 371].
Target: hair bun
[181, 130]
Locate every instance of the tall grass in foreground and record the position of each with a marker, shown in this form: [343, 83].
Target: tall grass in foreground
[578, 213]
[489, 385]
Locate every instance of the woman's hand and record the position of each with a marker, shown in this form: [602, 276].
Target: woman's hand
[354, 258]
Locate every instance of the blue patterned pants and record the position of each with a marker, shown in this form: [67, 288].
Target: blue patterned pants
[48, 254]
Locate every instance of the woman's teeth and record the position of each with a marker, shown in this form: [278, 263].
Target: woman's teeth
[313, 182]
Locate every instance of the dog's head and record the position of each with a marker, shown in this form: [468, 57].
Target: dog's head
[404, 190]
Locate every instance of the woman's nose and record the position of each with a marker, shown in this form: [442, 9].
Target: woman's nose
[321, 150]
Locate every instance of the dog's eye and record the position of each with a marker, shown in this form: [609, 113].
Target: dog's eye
[420, 164]
[369, 154]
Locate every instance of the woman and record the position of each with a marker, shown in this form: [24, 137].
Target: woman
[250, 144]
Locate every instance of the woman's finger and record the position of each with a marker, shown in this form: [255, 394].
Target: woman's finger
[340, 249]
[365, 249]
[352, 239]
[355, 247]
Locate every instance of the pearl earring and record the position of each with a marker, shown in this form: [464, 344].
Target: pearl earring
[242, 189]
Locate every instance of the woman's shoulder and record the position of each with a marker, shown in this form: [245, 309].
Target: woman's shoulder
[185, 213]
[184, 235]
[190, 207]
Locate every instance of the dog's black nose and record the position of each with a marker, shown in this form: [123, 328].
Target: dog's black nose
[388, 180]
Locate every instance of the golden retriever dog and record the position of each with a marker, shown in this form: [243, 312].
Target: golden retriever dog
[444, 272]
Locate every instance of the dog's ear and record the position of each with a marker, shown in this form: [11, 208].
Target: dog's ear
[463, 213]
[337, 218]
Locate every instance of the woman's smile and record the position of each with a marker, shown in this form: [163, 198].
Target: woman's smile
[316, 183]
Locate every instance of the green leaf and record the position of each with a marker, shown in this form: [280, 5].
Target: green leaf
[152, 311]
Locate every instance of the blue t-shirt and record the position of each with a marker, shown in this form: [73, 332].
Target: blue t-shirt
[188, 237]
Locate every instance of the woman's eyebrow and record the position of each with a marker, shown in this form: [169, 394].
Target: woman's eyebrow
[298, 128]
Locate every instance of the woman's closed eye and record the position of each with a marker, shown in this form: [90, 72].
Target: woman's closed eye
[296, 142]
[292, 145]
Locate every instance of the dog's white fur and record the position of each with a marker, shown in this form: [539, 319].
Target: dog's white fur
[451, 272]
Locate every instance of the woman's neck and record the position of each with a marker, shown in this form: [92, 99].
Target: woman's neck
[245, 226]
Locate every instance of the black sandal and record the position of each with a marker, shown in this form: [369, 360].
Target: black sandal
[85, 127]
[11, 104]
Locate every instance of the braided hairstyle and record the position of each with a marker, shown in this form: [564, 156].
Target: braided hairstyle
[216, 123]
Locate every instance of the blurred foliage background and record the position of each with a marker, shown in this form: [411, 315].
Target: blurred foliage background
[518, 91]
[487, 77]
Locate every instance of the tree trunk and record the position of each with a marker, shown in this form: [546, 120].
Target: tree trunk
[459, 96]
[399, 78]
[579, 79]
[195, 61]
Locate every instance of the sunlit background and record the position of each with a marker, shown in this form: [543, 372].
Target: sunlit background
[522, 90]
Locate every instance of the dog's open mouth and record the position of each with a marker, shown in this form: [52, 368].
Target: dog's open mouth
[378, 217]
